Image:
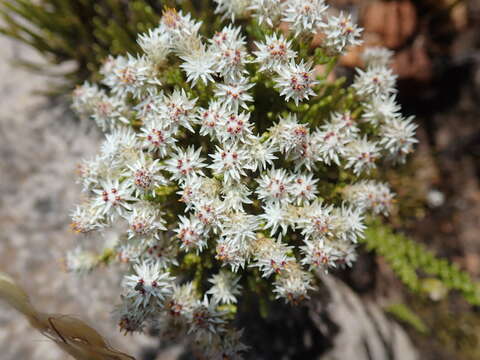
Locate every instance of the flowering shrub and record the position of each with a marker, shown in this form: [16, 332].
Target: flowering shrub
[230, 160]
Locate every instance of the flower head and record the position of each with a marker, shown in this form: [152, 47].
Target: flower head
[304, 16]
[340, 33]
[274, 52]
[267, 12]
[225, 287]
[147, 285]
[235, 95]
[185, 164]
[296, 81]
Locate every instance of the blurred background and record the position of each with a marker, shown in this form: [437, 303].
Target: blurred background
[49, 46]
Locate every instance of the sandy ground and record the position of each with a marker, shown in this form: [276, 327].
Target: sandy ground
[40, 146]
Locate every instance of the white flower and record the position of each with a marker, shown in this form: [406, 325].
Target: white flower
[129, 317]
[296, 81]
[227, 346]
[275, 51]
[185, 163]
[376, 80]
[361, 155]
[148, 285]
[235, 128]
[239, 227]
[345, 123]
[91, 171]
[288, 134]
[261, 154]
[131, 75]
[85, 97]
[235, 95]
[206, 320]
[306, 154]
[234, 196]
[370, 195]
[230, 254]
[87, 218]
[211, 118]
[199, 65]
[319, 221]
[277, 217]
[230, 60]
[271, 256]
[112, 198]
[108, 112]
[156, 137]
[340, 33]
[148, 106]
[144, 175]
[377, 56]
[304, 187]
[197, 189]
[129, 252]
[164, 252]
[108, 65]
[182, 301]
[350, 223]
[319, 254]
[332, 142]
[267, 11]
[381, 109]
[225, 287]
[178, 110]
[155, 44]
[304, 16]
[275, 186]
[230, 162]
[175, 23]
[192, 234]
[398, 137]
[347, 254]
[231, 8]
[293, 284]
[181, 29]
[119, 144]
[226, 38]
[209, 212]
[145, 221]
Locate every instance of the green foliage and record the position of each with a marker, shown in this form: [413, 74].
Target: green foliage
[84, 31]
[412, 262]
[404, 314]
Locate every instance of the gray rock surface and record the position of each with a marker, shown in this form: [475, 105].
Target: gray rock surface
[362, 331]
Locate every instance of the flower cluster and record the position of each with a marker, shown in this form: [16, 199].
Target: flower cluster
[199, 167]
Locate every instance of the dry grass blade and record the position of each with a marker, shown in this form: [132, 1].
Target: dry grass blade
[72, 335]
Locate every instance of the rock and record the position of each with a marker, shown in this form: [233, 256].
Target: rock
[394, 21]
[363, 331]
[413, 63]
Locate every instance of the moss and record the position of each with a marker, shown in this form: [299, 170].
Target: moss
[411, 262]
[454, 328]
[404, 314]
